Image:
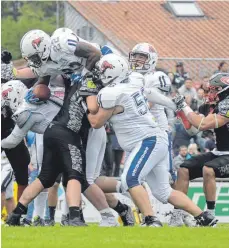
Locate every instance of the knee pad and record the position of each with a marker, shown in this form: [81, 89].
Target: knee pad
[163, 194]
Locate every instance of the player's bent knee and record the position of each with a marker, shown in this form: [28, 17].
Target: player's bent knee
[208, 172]
[128, 182]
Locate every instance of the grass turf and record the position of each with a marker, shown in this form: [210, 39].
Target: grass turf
[122, 237]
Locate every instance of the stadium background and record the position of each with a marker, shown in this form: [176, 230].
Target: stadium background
[200, 42]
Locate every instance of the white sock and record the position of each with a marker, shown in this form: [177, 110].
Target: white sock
[40, 204]
[211, 211]
[65, 210]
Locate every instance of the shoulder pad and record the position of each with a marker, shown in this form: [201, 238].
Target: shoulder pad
[136, 79]
[106, 98]
[158, 80]
[224, 107]
[64, 43]
[21, 118]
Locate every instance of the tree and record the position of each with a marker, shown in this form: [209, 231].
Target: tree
[31, 15]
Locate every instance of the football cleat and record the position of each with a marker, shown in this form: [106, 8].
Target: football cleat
[26, 222]
[38, 221]
[151, 221]
[127, 217]
[176, 218]
[108, 220]
[206, 219]
[76, 222]
[64, 220]
[13, 219]
[188, 220]
[50, 223]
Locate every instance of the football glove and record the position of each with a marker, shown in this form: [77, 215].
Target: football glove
[6, 56]
[179, 100]
[31, 98]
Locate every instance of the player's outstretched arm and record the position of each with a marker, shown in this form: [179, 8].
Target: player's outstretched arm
[154, 96]
[204, 123]
[91, 53]
[211, 121]
[16, 136]
[24, 123]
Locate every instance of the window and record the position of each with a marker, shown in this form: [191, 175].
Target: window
[91, 33]
[182, 8]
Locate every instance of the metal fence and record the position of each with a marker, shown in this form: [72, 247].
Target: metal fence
[198, 68]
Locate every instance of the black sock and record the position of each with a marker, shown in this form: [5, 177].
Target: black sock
[52, 211]
[120, 208]
[210, 204]
[81, 215]
[20, 209]
[74, 212]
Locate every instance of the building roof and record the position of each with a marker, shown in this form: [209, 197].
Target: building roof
[126, 23]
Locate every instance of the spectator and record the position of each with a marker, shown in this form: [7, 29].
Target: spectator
[200, 97]
[223, 67]
[187, 89]
[192, 151]
[180, 75]
[180, 158]
[181, 137]
[205, 84]
[210, 141]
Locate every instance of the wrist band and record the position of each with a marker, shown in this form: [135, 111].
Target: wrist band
[200, 123]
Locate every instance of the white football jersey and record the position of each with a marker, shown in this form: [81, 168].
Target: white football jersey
[39, 115]
[135, 123]
[161, 81]
[63, 46]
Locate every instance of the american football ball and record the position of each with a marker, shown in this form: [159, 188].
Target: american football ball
[42, 92]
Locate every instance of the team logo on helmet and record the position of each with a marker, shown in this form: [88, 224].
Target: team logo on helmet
[225, 80]
[6, 92]
[106, 65]
[151, 49]
[36, 43]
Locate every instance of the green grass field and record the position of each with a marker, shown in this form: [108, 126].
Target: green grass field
[122, 237]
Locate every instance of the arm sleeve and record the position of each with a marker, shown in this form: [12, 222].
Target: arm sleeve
[154, 96]
[17, 135]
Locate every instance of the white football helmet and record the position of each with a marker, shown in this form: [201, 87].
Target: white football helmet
[147, 62]
[35, 47]
[113, 69]
[13, 93]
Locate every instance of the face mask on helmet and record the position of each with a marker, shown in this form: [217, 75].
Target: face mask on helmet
[218, 85]
[35, 47]
[143, 58]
